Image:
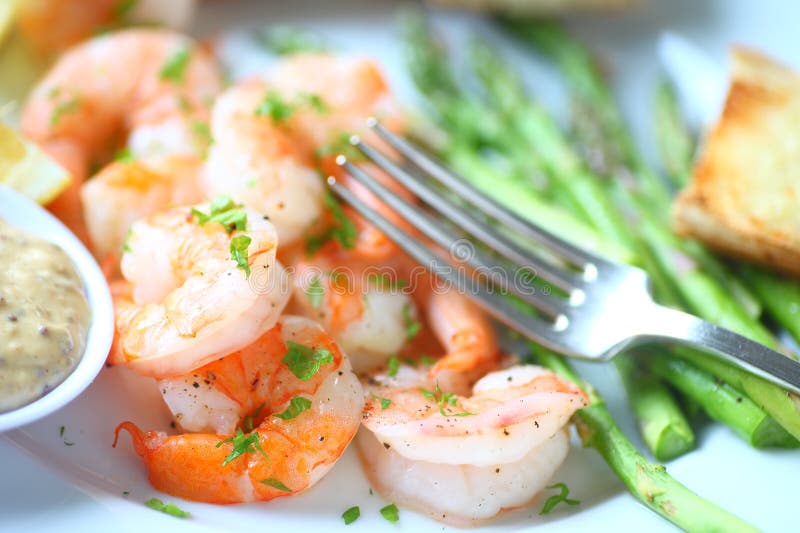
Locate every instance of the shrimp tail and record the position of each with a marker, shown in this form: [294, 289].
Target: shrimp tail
[144, 442]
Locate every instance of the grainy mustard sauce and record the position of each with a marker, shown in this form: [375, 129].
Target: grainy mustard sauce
[44, 317]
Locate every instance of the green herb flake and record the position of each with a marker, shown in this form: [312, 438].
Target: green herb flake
[166, 508]
[343, 230]
[242, 444]
[340, 145]
[427, 360]
[315, 293]
[297, 405]
[304, 361]
[126, 493]
[315, 101]
[385, 282]
[392, 365]
[385, 402]
[351, 515]
[63, 108]
[124, 156]
[123, 8]
[61, 434]
[390, 513]
[126, 245]
[444, 400]
[275, 107]
[554, 500]
[239, 246]
[276, 484]
[412, 326]
[224, 211]
[175, 66]
[247, 423]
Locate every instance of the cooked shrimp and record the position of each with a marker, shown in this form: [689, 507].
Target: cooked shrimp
[464, 330]
[124, 192]
[53, 25]
[368, 309]
[255, 160]
[152, 86]
[349, 90]
[464, 459]
[269, 134]
[284, 452]
[190, 302]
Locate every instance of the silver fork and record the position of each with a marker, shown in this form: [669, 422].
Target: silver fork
[606, 308]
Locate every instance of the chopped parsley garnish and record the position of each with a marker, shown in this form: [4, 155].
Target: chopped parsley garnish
[175, 66]
[393, 365]
[242, 444]
[275, 107]
[279, 110]
[315, 101]
[315, 293]
[63, 108]
[343, 229]
[126, 246]
[247, 423]
[123, 8]
[283, 40]
[202, 133]
[554, 500]
[426, 360]
[391, 513]
[61, 434]
[297, 405]
[304, 361]
[166, 508]
[124, 155]
[385, 402]
[444, 400]
[339, 145]
[276, 484]
[239, 246]
[224, 211]
[384, 281]
[351, 515]
[412, 326]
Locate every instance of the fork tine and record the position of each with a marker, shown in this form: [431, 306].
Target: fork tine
[549, 305]
[546, 333]
[437, 170]
[559, 277]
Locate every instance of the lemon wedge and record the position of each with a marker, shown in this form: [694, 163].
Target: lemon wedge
[8, 10]
[27, 169]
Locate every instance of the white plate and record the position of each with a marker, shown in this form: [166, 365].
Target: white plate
[756, 485]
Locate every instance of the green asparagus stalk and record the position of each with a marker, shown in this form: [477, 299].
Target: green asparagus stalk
[675, 142]
[662, 424]
[648, 482]
[724, 403]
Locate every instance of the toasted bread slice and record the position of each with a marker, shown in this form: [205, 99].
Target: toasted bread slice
[745, 195]
[538, 7]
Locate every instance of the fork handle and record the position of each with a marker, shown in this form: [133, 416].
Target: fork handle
[729, 346]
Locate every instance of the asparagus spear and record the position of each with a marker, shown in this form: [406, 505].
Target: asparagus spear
[724, 403]
[675, 142]
[662, 424]
[648, 482]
